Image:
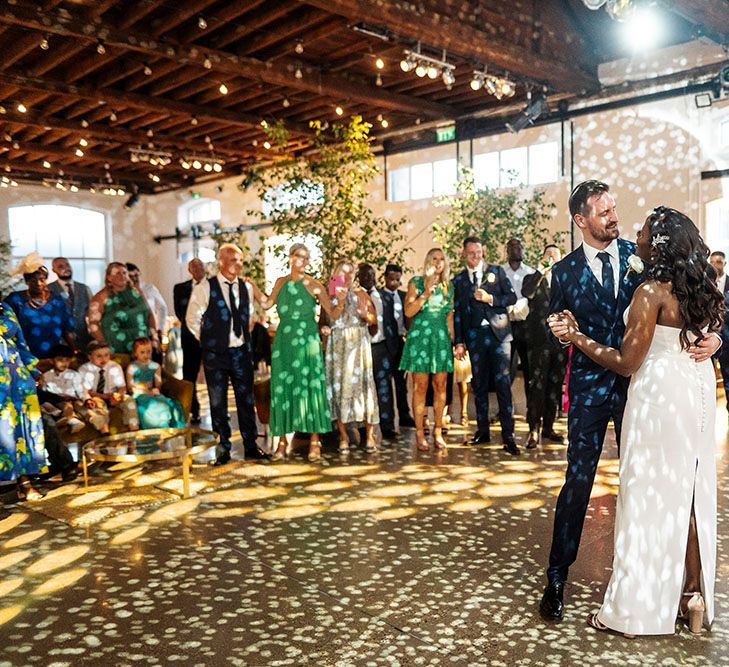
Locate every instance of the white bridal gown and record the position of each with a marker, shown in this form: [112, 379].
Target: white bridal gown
[666, 460]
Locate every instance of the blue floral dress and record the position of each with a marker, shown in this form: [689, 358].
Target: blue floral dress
[42, 327]
[22, 447]
[154, 411]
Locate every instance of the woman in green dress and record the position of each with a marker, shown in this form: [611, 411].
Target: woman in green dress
[429, 343]
[119, 313]
[298, 385]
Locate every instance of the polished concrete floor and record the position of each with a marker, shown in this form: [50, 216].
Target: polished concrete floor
[393, 558]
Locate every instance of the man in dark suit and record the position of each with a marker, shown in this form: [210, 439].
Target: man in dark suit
[387, 346]
[718, 261]
[77, 297]
[218, 316]
[482, 294]
[547, 362]
[191, 353]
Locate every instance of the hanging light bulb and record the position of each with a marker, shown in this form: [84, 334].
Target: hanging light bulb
[153, 161]
[207, 63]
[298, 73]
[384, 123]
[100, 48]
[339, 111]
[380, 63]
[432, 71]
[79, 152]
[44, 43]
[193, 120]
[267, 145]
[421, 70]
[83, 142]
[84, 123]
[46, 164]
[202, 23]
[286, 103]
[185, 164]
[378, 80]
[223, 89]
[147, 70]
[299, 48]
[113, 116]
[22, 108]
[150, 132]
[154, 178]
[74, 188]
[217, 167]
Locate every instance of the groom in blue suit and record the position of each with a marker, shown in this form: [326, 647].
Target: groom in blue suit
[593, 283]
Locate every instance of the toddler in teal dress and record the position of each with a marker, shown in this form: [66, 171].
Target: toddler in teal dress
[144, 379]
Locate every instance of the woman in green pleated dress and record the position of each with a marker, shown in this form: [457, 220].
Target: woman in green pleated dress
[429, 343]
[298, 385]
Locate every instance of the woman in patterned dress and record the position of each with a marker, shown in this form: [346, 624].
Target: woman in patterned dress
[348, 361]
[428, 346]
[298, 386]
[22, 452]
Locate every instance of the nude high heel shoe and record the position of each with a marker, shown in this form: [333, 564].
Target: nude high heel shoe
[695, 612]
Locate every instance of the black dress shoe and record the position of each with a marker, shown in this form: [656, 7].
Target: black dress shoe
[553, 437]
[480, 438]
[510, 447]
[389, 433]
[256, 453]
[552, 604]
[222, 459]
[70, 473]
[195, 420]
[533, 440]
[407, 422]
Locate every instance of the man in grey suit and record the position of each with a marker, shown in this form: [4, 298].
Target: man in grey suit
[76, 295]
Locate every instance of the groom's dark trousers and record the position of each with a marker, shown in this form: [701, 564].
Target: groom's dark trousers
[596, 394]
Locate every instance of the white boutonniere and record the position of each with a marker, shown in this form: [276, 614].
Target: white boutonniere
[635, 265]
[491, 278]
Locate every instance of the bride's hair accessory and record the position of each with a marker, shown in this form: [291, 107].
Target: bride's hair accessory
[660, 239]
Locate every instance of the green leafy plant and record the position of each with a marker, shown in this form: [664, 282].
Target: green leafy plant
[324, 195]
[495, 216]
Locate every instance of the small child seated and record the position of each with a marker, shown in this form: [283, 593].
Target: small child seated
[104, 381]
[144, 379]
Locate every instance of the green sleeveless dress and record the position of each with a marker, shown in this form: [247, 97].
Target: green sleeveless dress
[125, 317]
[298, 388]
[428, 347]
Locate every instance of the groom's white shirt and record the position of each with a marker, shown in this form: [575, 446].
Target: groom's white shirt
[595, 263]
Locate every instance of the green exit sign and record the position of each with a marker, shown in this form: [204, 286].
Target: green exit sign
[445, 134]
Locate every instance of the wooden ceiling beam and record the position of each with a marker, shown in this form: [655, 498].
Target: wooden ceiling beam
[222, 18]
[179, 16]
[453, 34]
[20, 166]
[284, 32]
[121, 99]
[710, 16]
[281, 73]
[120, 134]
[267, 15]
[66, 153]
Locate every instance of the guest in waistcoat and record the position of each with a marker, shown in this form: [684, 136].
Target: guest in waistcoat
[218, 315]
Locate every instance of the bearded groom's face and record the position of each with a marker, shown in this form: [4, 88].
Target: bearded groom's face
[600, 224]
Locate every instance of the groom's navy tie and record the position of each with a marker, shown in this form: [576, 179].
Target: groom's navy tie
[608, 279]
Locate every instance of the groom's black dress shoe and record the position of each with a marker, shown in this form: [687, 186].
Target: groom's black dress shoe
[510, 447]
[554, 437]
[480, 438]
[256, 453]
[552, 605]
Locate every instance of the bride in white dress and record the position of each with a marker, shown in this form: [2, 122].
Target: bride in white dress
[664, 560]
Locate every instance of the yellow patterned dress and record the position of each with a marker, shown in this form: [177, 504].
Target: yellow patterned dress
[22, 447]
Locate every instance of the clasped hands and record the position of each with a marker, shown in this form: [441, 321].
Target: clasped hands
[563, 326]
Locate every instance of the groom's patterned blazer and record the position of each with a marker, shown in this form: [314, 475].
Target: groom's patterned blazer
[575, 288]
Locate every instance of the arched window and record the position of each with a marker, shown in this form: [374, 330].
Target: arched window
[54, 230]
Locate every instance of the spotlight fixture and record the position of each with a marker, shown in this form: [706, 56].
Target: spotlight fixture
[184, 164]
[421, 70]
[376, 31]
[207, 63]
[430, 66]
[196, 164]
[153, 157]
[223, 89]
[202, 23]
[147, 70]
[207, 167]
[217, 167]
[449, 78]
[530, 113]
[44, 43]
[432, 71]
[133, 199]
[477, 80]
[408, 63]
[380, 63]
[299, 48]
[22, 108]
[100, 47]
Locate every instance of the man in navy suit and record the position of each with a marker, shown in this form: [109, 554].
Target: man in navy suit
[718, 261]
[191, 353]
[218, 316]
[593, 283]
[76, 295]
[482, 293]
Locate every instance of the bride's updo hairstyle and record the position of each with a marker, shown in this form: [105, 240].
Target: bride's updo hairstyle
[681, 257]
